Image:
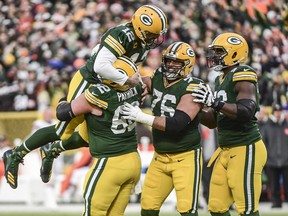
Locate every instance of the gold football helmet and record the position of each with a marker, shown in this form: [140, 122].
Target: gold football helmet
[178, 52]
[226, 50]
[126, 66]
[150, 25]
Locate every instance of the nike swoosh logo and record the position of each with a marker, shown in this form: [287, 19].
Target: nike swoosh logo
[120, 40]
[180, 160]
[232, 156]
[94, 94]
[246, 69]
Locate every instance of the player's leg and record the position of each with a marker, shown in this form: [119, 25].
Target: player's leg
[12, 158]
[64, 129]
[186, 172]
[52, 151]
[220, 197]
[41, 137]
[157, 186]
[244, 175]
[104, 181]
[77, 86]
[122, 199]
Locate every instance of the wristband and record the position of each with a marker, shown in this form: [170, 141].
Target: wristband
[217, 105]
[145, 118]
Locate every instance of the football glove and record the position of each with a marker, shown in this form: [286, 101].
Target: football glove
[130, 112]
[205, 96]
[135, 114]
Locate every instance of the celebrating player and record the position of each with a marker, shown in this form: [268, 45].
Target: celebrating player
[134, 40]
[177, 161]
[112, 142]
[236, 176]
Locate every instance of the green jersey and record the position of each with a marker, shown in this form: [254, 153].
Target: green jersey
[165, 99]
[120, 40]
[109, 134]
[233, 132]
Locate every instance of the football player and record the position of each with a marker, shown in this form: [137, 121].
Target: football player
[112, 142]
[177, 161]
[236, 176]
[134, 40]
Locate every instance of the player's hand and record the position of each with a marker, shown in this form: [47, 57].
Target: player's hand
[204, 95]
[144, 92]
[133, 81]
[130, 112]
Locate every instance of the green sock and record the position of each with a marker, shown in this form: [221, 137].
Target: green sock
[149, 212]
[37, 139]
[74, 142]
[227, 213]
[189, 214]
[251, 214]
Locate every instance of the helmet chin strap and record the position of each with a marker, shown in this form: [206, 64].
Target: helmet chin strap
[218, 67]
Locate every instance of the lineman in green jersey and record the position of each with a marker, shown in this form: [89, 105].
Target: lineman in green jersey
[113, 144]
[134, 40]
[177, 161]
[236, 176]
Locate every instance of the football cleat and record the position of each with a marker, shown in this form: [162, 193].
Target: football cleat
[48, 154]
[11, 161]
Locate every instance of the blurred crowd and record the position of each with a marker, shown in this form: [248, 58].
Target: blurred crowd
[43, 43]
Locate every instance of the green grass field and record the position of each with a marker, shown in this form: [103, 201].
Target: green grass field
[130, 214]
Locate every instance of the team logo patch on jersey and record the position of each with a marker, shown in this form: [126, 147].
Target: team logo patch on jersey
[234, 40]
[146, 20]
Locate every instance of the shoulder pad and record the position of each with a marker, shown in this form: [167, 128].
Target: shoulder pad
[191, 86]
[98, 95]
[116, 40]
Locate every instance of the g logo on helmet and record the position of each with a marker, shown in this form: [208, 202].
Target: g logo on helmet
[234, 40]
[190, 52]
[146, 20]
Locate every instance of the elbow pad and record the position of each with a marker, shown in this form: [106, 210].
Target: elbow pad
[64, 111]
[176, 123]
[245, 109]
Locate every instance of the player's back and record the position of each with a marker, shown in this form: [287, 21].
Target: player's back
[109, 134]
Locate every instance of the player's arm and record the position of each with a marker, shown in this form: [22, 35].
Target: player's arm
[184, 114]
[242, 110]
[208, 118]
[147, 81]
[103, 66]
[245, 106]
[81, 106]
[65, 111]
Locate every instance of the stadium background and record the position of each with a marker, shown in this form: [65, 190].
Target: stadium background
[42, 43]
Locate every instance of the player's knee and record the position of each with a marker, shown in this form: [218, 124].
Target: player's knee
[184, 207]
[216, 206]
[149, 212]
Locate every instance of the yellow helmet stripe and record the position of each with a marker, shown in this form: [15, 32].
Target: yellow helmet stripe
[161, 15]
[175, 47]
[115, 45]
[95, 101]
